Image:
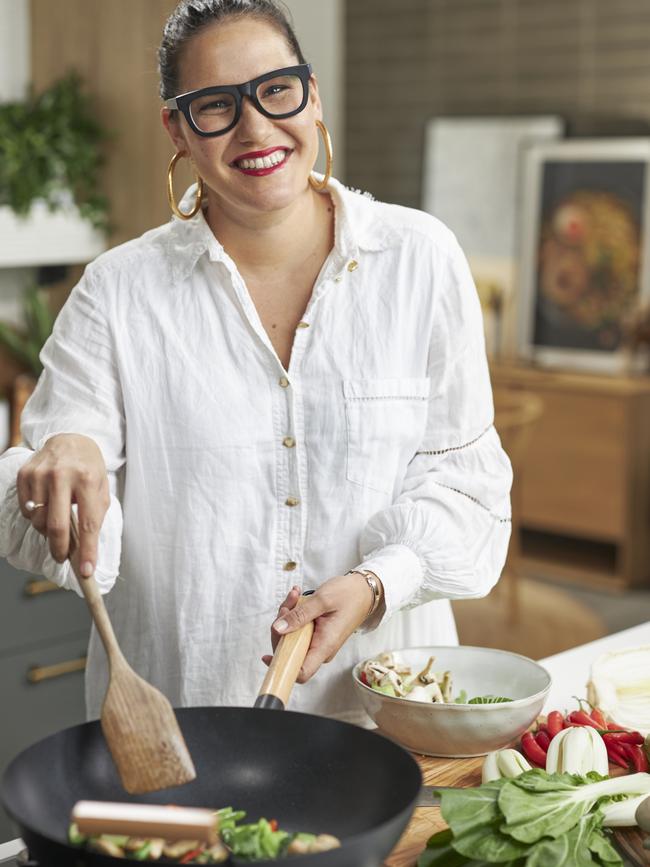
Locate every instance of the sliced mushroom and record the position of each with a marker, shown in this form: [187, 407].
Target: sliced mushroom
[106, 847]
[323, 843]
[135, 843]
[445, 687]
[426, 676]
[179, 848]
[218, 852]
[298, 847]
[156, 848]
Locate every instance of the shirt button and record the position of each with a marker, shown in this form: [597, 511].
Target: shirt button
[302, 325]
[290, 566]
[338, 279]
[289, 442]
[353, 265]
[291, 501]
[283, 381]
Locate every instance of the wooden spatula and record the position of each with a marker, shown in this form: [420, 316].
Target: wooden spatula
[138, 722]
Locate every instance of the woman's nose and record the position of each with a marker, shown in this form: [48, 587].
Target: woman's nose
[253, 125]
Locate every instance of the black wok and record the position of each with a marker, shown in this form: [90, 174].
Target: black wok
[310, 773]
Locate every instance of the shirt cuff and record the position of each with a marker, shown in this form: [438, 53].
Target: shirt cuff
[400, 571]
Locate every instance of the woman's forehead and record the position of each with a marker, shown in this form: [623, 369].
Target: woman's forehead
[231, 52]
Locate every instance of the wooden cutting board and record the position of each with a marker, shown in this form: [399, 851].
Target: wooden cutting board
[467, 772]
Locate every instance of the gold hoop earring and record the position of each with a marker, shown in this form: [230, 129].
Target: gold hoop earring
[170, 190]
[319, 186]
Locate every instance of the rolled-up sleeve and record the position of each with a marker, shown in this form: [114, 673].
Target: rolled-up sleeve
[78, 392]
[446, 534]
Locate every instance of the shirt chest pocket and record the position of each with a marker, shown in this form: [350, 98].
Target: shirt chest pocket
[385, 419]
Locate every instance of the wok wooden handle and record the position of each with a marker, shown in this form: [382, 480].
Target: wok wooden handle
[284, 669]
[94, 599]
[145, 820]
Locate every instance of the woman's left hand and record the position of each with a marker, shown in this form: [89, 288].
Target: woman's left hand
[338, 607]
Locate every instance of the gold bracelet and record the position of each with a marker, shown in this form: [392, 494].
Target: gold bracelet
[373, 583]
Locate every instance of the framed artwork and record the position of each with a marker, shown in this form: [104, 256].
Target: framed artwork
[584, 266]
[472, 182]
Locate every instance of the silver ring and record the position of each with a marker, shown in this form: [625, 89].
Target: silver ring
[31, 506]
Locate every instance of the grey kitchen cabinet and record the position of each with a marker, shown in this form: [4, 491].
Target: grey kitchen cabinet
[43, 641]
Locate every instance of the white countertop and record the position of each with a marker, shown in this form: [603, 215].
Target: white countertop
[570, 669]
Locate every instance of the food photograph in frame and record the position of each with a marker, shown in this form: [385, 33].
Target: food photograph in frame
[584, 250]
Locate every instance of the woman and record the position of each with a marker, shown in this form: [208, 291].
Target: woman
[288, 389]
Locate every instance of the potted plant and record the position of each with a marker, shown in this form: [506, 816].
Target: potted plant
[50, 152]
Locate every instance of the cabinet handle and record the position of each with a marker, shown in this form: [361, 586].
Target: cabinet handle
[37, 586]
[39, 673]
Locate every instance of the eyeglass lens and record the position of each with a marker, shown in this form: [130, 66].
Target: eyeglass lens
[277, 96]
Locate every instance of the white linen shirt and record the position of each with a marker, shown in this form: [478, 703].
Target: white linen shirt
[233, 479]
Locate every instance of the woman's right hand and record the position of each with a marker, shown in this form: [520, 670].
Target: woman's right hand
[68, 469]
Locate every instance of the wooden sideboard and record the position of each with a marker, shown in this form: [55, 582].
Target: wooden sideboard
[584, 498]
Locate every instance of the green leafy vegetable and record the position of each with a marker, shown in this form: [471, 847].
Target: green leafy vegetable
[534, 820]
[488, 699]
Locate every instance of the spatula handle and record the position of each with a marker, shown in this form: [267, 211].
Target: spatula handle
[94, 599]
[284, 669]
[144, 820]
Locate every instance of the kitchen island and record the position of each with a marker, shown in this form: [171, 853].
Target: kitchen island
[569, 671]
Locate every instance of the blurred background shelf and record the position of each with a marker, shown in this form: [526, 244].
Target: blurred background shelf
[47, 238]
[585, 498]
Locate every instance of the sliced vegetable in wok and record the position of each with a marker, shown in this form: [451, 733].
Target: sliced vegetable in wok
[252, 841]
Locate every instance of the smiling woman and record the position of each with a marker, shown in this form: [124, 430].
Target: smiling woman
[283, 388]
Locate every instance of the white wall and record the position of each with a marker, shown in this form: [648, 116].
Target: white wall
[14, 49]
[319, 25]
[14, 80]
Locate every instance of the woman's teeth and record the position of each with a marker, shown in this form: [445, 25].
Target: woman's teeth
[263, 162]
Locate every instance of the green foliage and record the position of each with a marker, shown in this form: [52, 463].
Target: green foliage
[25, 344]
[51, 143]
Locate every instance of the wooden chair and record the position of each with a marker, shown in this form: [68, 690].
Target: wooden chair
[516, 413]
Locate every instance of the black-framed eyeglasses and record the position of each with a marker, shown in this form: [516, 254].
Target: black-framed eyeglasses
[213, 111]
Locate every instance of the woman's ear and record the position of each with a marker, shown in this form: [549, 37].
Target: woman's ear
[170, 120]
[314, 97]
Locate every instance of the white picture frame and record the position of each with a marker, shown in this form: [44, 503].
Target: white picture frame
[472, 176]
[584, 254]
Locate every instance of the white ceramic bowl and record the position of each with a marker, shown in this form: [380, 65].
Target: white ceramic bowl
[461, 730]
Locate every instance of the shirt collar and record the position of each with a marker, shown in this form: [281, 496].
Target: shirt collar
[359, 226]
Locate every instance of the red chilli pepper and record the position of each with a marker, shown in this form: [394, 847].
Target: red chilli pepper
[582, 719]
[599, 716]
[621, 737]
[190, 856]
[363, 678]
[532, 750]
[543, 740]
[274, 824]
[636, 756]
[644, 764]
[615, 752]
[554, 723]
